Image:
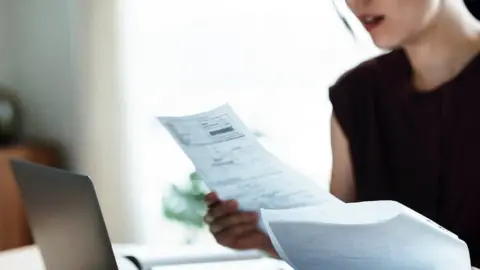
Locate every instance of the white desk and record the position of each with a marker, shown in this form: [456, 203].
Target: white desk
[21, 259]
[29, 258]
[259, 264]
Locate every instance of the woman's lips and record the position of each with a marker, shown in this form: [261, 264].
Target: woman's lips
[371, 22]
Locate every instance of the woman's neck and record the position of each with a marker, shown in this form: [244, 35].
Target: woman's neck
[444, 49]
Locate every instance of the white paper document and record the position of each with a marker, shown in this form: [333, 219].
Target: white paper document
[228, 156]
[310, 228]
[363, 236]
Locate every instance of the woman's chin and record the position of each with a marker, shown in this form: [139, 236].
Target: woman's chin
[386, 43]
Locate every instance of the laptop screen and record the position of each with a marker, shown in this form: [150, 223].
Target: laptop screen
[65, 217]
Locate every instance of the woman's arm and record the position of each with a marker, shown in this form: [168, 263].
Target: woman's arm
[342, 180]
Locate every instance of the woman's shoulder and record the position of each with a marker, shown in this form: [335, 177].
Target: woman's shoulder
[353, 93]
[387, 67]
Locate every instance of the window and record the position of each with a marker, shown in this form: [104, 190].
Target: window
[272, 60]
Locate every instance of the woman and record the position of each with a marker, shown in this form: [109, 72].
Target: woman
[405, 125]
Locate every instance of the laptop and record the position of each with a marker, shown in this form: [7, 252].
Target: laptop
[65, 218]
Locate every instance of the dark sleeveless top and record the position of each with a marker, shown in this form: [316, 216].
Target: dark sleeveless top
[420, 149]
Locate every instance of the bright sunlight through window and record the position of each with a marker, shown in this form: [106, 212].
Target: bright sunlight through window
[272, 60]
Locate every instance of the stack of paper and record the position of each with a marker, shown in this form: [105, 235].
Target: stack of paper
[363, 236]
[310, 228]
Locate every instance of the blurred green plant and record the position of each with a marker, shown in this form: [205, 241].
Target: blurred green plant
[185, 205]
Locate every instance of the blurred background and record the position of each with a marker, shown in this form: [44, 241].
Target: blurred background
[83, 80]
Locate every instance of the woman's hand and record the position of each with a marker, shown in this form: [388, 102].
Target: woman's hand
[233, 228]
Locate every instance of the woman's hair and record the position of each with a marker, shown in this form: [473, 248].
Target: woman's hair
[474, 7]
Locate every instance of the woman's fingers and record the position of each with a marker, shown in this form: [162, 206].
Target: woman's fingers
[211, 199]
[254, 239]
[234, 228]
[221, 209]
[231, 235]
[239, 218]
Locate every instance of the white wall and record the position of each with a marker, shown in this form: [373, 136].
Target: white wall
[62, 65]
[4, 43]
[103, 147]
[42, 67]
[36, 61]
